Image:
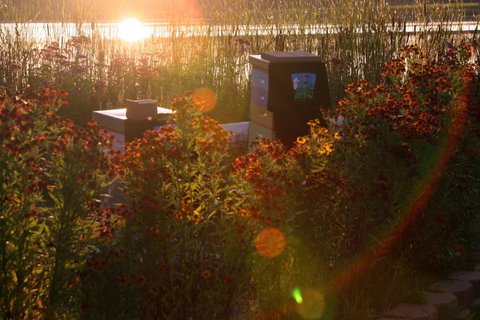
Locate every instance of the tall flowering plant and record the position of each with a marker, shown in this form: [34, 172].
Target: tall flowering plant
[414, 98]
[325, 224]
[453, 206]
[270, 176]
[51, 173]
[406, 134]
[183, 252]
[269, 180]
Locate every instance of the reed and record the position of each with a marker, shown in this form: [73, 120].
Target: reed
[354, 39]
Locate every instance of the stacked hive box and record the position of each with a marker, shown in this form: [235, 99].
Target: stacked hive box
[261, 119]
[287, 90]
[124, 129]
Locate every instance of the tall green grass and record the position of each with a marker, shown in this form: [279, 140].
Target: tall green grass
[356, 39]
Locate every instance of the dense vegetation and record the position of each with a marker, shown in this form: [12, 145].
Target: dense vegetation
[358, 38]
[355, 217]
[351, 220]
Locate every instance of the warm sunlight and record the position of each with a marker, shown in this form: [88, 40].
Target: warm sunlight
[131, 29]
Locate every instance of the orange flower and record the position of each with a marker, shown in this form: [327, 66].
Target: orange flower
[301, 140]
[206, 274]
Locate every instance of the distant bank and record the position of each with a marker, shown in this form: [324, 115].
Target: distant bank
[209, 10]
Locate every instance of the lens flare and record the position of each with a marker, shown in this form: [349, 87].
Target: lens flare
[297, 295]
[416, 202]
[131, 30]
[270, 242]
[310, 303]
[204, 99]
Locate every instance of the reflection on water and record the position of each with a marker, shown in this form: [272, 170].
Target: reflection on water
[50, 31]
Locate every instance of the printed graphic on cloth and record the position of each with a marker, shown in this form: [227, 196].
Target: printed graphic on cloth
[303, 84]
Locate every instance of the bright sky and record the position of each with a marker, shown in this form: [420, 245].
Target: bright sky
[103, 9]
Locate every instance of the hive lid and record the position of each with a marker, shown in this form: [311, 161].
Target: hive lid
[141, 109]
[290, 56]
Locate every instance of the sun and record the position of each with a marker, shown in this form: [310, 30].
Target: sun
[132, 29]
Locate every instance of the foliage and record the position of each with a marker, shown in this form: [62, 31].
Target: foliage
[51, 173]
[185, 249]
[419, 113]
[202, 233]
[101, 72]
[269, 181]
[453, 212]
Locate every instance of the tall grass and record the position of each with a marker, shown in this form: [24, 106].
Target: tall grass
[355, 39]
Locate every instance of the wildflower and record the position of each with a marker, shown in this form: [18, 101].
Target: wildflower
[196, 218]
[325, 149]
[85, 306]
[201, 139]
[138, 279]
[329, 148]
[323, 131]
[206, 274]
[228, 281]
[301, 140]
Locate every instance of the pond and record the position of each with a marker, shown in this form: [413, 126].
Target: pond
[42, 31]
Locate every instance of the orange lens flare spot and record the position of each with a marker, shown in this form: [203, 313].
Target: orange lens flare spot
[270, 242]
[204, 99]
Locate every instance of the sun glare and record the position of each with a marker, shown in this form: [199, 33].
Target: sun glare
[131, 30]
